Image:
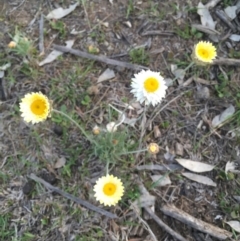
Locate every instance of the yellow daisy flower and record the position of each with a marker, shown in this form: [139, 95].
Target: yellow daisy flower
[108, 190]
[204, 53]
[35, 107]
[153, 148]
[149, 87]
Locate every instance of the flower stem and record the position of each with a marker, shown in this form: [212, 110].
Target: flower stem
[187, 68]
[107, 168]
[73, 121]
[133, 152]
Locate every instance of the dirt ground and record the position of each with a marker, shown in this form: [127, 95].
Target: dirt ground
[151, 33]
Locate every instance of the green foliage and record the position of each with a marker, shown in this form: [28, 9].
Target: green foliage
[130, 8]
[139, 56]
[59, 26]
[6, 231]
[234, 54]
[222, 88]
[187, 32]
[110, 146]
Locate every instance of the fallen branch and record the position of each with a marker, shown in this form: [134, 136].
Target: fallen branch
[41, 35]
[153, 167]
[69, 196]
[223, 61]
[200, 225]
[157, 32]
[100, 58]
[164, 226]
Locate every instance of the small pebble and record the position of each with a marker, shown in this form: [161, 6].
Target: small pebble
[58, 130]
[28, 187]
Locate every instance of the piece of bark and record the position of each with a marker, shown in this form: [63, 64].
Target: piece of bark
[41, 35]
[200, 225]
[100, 58]
[164, 226]
[223, 16]
[152, 167]
[226, 61]
[71, 197]
[157, 32]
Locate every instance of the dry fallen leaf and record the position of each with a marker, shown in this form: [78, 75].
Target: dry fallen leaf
[235, 225]
[206, 18]
[60, 12]
[60, 162]
[106, 75]
[160, 180]
[230, 166]
[195, 166]
[55, 54]
[199, 178]
[217, 120]
[231, 11]
[235, 37]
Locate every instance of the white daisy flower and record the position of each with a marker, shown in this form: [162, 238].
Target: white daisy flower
[149, 87]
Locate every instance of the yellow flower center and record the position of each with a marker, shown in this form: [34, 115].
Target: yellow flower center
[203, 53]
[151, 84]
[153, 148]
[38, 107]
[109, 189]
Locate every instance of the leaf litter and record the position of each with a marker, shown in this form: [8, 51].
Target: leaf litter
[60, 12]
[195, 166]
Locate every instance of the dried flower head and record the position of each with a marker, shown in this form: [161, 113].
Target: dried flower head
[96, 130]
[35, 107]
[12, 45]
[153, 148]
[108, 190]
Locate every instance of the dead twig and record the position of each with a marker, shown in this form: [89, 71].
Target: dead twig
[205, 82]
[101, 58]
[222, 15]
[200, 225]
[41, 36]
[153, 116]
[164, 226]
[75, 199]
[174, 234]
[153, 167]
[225, 61]
[205, 29]
[157, 32]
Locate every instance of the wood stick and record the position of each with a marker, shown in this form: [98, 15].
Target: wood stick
[41, 35]
[223, 61]
[164, 226]
[155, 167]
[71, 197]
[200, 225]
[157, 32]
[100, 58]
